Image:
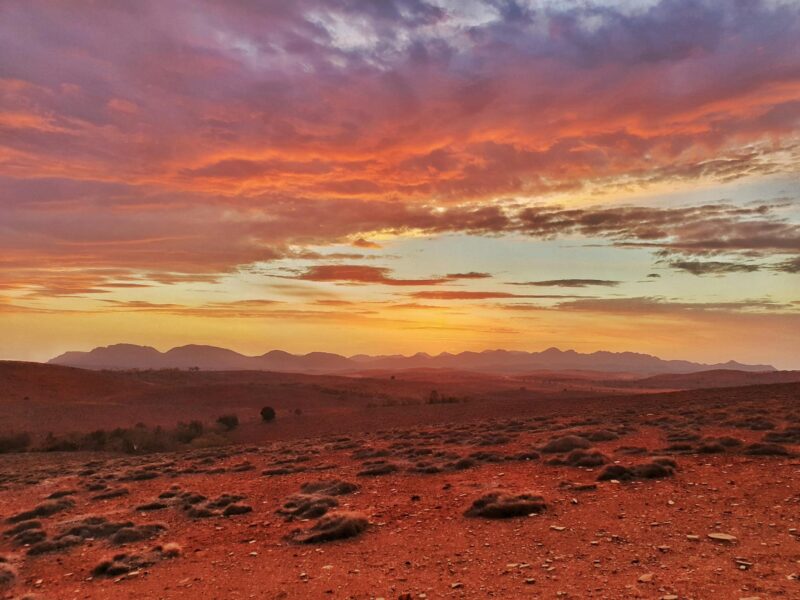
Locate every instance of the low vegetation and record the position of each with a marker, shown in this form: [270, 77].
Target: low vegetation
[18, 442]
[268, 414]
[228, 422]
[139, 439]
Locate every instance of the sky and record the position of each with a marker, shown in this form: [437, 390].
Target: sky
[395, 176]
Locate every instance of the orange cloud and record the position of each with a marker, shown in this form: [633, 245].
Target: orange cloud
[171, 145]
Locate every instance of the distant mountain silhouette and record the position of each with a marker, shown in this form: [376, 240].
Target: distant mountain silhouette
[130, 356]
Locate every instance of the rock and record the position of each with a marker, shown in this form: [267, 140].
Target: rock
[646, 578]
[725, 538]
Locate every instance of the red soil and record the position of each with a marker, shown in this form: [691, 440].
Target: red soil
[622, 540]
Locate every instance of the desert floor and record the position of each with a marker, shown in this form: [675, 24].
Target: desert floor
[715, 462]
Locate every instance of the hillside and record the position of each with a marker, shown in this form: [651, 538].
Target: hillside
[130, 356]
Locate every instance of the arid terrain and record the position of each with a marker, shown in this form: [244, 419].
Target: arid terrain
[606, 494]
[400, 300]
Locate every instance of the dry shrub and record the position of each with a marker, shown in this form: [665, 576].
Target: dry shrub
[307, 506]
[329, 487]
[377, 469]
[567, 443]
[501, 505]
[45, 509]
[333, 526]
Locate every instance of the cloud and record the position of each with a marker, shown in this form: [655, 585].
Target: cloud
[360, 274]
[707, 228]
[106, 233]
[375, 275]
[173, 143]
[362, 243]
[657, 305]
[470, 275]
[711, 267]
[571, 283]
[791, 265]
[476, 295]
[317, 98]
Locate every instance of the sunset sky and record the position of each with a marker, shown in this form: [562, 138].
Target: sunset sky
[401, 175]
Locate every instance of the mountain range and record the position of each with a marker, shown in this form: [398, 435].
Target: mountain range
[131, 356]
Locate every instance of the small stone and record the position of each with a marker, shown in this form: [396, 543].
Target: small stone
[726, 538]
[646, 578]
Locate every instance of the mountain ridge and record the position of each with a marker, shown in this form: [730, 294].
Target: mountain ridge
[132, 356]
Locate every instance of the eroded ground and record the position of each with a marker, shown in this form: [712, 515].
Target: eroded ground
[624, 498]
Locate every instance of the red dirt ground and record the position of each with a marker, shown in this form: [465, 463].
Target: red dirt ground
[621, 540]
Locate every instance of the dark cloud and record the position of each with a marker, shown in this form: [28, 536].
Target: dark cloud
[712, 267]
[791, 265]
[570, 283]
[475, 295]
[470, 275]
[378, 275]
[701, 229]
[360, 274]
[656, 305]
